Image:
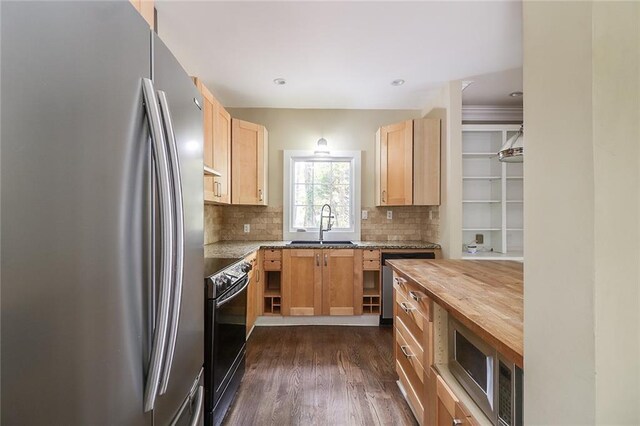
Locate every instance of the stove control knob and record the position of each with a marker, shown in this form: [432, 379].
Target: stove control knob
[222, 282]
[246, 267]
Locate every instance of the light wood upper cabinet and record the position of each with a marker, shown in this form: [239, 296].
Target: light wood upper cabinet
[146, 9]
[407, 169]
[394, 148]
[222, 153]
[217, 147]
[249, 156]
[342, 282]
[302, 282]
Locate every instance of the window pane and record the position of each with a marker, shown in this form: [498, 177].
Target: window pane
[317, 183]
[342, 219]
[303, 195]
[342, 173]
[321, 194]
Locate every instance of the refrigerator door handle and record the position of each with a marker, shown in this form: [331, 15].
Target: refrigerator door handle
[178, 206]
[159, 149]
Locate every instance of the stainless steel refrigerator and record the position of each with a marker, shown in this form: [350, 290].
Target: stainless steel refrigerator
[101, 275]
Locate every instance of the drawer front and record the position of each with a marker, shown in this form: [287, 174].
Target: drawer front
[272, 254]
[371, 265]
[412, 386]
[410, 350]
[272, 265]
[415, 294]
[371, 254]
[409, 312]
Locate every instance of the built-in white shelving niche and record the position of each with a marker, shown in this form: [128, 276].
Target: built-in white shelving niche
[492, 194]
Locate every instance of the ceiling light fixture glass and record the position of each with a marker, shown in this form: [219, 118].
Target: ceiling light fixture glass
[513, 150]
[515, 94]
[397, 82]
[322, 147]
[279, 81]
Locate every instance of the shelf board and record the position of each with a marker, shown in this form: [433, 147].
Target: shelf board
[371, 292]
[515, 177]
[515, 229]
[515, 201]
[481, 201]
[481, 229]
[272, 293]
[493, 255]
[481, 177]
[479, 154]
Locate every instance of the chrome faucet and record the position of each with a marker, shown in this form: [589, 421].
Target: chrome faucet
[322, 216]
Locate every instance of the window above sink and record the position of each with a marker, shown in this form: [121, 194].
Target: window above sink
[312, 180]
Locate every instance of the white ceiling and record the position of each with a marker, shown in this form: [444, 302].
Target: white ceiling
[339, 54]
[494, 89]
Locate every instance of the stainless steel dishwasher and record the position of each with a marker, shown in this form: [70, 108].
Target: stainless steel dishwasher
[386, 317]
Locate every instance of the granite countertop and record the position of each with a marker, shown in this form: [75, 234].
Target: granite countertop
[238, 249]
[484, 295]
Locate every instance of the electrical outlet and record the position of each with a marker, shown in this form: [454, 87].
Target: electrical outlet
[389, 214]
[479, 238]
[247, 228]
[365, 215]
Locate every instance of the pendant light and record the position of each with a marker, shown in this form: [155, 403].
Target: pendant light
[513, 149]
[322, 147]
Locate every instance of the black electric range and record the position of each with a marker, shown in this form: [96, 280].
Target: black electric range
[226, 281]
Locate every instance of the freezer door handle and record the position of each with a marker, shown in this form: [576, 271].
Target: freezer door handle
[197, 413]
[198, 397]
[159, 149]
[178, 207]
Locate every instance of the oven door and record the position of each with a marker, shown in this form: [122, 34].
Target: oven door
[229, 335]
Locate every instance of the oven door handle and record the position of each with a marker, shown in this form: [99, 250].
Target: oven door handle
[229, 299]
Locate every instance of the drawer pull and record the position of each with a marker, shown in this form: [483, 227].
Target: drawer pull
[406, 307]
[417, 295]
[405, 351]
[456, 422]
[399, 280]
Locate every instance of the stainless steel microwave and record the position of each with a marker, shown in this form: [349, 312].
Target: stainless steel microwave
[493, 383]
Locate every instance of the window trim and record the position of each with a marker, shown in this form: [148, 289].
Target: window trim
[287, 211]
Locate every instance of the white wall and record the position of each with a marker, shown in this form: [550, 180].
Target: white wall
[446, 105]
[300, 129]
[582, 280]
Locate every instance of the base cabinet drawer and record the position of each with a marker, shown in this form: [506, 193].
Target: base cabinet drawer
[371, 265]
[413, 388]
[272, 265]
[449, 409]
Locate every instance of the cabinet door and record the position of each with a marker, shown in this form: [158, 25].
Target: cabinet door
[341, 282]
[222, 153]
[395, 147]
[252, 293]
[302, 282]
[449, 411]
[426, 162]
[248, 168]
[208, 113]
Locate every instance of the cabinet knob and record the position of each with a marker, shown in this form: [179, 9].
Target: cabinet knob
[456, 422]
[325, 259]
[260, 195]
[384, 193]
[406, 307]
[317, 260]
[417, 295]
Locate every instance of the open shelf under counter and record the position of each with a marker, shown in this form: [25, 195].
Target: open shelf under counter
[493, 255]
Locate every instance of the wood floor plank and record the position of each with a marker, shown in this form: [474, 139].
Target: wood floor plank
[319, 375]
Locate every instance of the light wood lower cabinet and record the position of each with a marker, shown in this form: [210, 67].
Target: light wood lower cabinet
[252, 292]
[302, 282]
[342, 282]
[322, 282]
[431, 400]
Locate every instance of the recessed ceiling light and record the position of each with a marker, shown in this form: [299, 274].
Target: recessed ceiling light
[279, 81]
[397, 82]
[515, 94]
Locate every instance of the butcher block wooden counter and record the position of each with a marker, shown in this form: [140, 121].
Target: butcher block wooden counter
[485, 296]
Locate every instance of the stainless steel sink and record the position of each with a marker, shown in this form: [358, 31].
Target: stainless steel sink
[320, 243]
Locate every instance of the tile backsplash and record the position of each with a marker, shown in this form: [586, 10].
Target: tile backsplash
[409, 223]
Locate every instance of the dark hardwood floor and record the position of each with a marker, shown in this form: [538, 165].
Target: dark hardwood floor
[320, 375]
